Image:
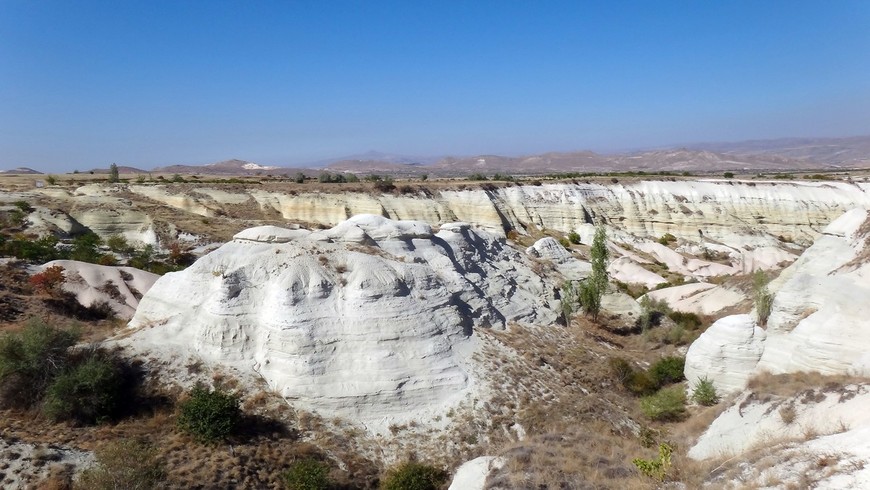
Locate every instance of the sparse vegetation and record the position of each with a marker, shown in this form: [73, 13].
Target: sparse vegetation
[762, 296]
[124, 464]
[574, 237]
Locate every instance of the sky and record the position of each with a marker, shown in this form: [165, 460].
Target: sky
[151, 83]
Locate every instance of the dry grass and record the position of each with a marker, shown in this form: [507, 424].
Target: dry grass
[792, 384]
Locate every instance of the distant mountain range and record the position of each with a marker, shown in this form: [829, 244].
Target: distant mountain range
[787, 154]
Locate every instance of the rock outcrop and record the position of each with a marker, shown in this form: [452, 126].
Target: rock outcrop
[118, 287]
[726, 353]
[373, 318]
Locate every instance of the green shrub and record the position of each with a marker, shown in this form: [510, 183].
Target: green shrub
[668, 370]
[728, 175]
[574, 237]
[666, 239]
[656, 468]
[565, 243]
[307, 474]
[127, 464]
[668, 404]
[637, 381]
[704, 393]
[87, 393]
[414, 476]
[690, 321]
[209, 415]
[30, 360]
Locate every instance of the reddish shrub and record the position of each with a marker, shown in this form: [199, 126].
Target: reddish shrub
[49, 280]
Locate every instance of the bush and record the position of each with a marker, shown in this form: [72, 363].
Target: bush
[637, 381]
[728, 175]
[668, 370]
[87, 393]
[667, 238]
[30, 360]
[127, 464]
[574, 237]
[414, 476]
[690, 321]
[668, 404]
[209, 415]
[307, 474]
[704, 393]
[49, 280]
[656, 468]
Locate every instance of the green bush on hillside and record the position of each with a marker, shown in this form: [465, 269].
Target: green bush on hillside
[414, 476]
[208, 415]
[668, 404]
[307, 474]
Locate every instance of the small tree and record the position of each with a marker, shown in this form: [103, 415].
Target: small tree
[113, 173]
[208, 415]
[594, 287]
[704, 393]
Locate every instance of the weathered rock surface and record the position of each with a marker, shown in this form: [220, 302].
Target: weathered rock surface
[472, 474]
[372, 319]
[699, 297]
[727, 353]
[119, 287]
[570, 267]
[818, 320]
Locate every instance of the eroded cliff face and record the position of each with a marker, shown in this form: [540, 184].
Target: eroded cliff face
[742, 214]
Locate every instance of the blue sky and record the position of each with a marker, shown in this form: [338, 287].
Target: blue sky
[148, 83]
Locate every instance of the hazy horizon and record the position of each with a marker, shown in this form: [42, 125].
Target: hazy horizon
[152, 84]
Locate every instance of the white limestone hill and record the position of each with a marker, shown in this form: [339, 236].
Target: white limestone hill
[817, 321]
[817, 339]
[118, 287]
[373, 319]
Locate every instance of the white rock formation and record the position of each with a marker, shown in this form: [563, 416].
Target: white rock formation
[751, 422]
[120, 287]
[570, 267]
[626, 270]
[699, 297]
[372, 319]
[818, 321]
[727, 353]
[472, 474]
